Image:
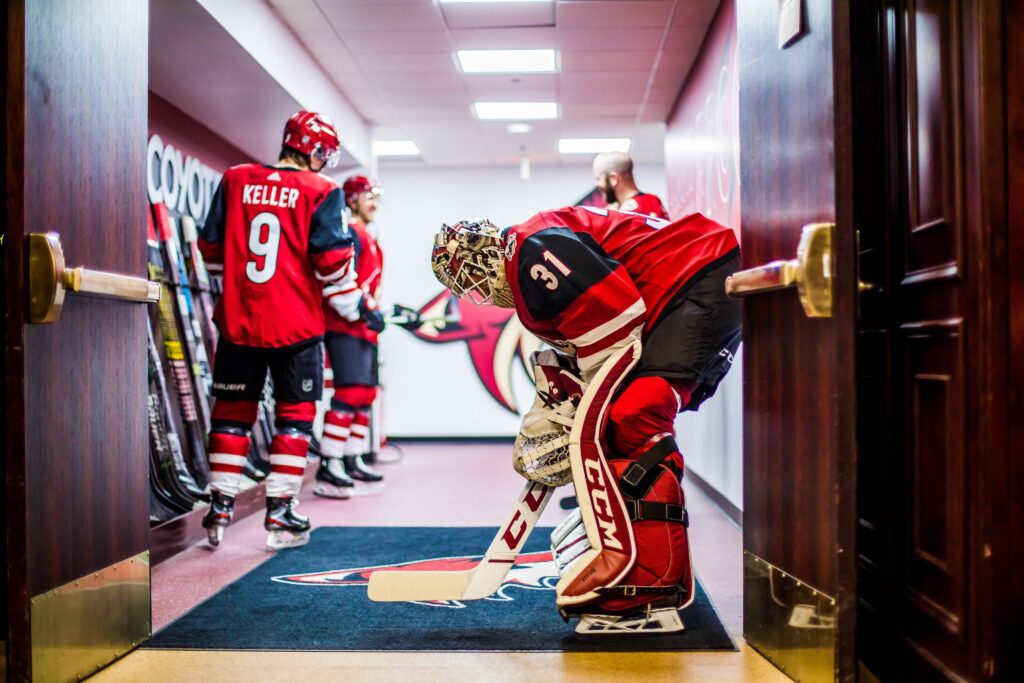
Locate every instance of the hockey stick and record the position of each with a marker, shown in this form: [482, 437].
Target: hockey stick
[480, 581]
[408, 321]
[164, 437]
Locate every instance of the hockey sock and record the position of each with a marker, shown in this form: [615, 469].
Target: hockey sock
[294, 422]
[229, 443]
[287, 463]
[337, 429]
[359, 440]
[228, 453]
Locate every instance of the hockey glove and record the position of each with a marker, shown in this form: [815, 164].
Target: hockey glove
[541, 450]
[369, 314]
[406, 317]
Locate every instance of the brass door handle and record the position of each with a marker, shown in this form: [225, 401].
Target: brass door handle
[49, 280]
[810, 272]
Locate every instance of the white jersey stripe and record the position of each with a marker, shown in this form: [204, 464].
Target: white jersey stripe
[339, 273]
[637, 308]
[589, 365]
[333, 290]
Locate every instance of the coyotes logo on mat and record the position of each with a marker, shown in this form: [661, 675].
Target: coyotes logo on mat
[532, 571]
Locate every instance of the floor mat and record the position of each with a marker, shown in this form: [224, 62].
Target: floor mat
[314, 598]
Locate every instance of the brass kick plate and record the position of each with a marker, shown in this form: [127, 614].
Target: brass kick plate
[790, 623]
[88, 623]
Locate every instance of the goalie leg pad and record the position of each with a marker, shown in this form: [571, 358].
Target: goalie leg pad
[662, 575]
[646, 407]
[663, 547]
[603, 512]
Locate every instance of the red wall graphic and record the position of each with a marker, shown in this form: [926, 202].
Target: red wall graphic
[702, 150]
[494, 337]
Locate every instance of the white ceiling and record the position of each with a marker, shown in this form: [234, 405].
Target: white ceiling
[622, 63]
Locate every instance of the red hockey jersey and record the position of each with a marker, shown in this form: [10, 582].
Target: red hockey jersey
[587, 279]
[277, 235]
[369, 265]
[647, 204]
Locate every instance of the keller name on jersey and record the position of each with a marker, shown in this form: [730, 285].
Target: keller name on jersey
[270, 195]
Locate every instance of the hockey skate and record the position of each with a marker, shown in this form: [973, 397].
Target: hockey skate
[649, 621]
[282, 519]
[222, 509]
[368, 481]
[331, 479]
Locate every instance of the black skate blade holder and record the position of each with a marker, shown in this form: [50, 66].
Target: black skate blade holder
[49, 281]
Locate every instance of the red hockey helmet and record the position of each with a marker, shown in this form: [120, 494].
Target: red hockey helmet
[313, 134]
[357, 184]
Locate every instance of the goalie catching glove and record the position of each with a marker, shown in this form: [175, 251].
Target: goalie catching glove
[541, 451]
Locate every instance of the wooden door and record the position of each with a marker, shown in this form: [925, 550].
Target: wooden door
[798, 376]
[76, 490]
[932, 342]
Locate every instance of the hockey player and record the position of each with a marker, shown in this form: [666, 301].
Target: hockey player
[351, 343]
[613, 173]
[637, 308]
[275, 233]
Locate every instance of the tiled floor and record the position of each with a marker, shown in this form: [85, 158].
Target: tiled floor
[443, 485]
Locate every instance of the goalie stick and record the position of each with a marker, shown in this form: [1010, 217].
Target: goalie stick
[472, 584]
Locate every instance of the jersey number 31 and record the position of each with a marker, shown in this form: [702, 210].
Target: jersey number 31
[267, 248]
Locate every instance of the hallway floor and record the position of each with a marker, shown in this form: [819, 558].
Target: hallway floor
[445, 485]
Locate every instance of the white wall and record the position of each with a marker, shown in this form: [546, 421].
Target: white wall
[430, 389]
[711, 439]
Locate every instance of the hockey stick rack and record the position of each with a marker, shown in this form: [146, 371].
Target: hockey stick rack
[182, 342]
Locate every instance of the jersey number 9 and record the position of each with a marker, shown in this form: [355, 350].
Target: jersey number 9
[266, 248]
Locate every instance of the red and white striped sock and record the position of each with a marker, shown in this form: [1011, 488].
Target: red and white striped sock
[228, 453]
[337, 428]
[359, 440]
[287, 464]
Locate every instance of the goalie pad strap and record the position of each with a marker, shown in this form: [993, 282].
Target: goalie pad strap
[639, 477]
[644, 510]
[632, 591]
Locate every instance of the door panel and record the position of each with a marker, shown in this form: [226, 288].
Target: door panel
[76, 424]
[798, 372]
[929, 245]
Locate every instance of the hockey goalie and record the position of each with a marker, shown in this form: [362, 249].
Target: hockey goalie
[641, 329]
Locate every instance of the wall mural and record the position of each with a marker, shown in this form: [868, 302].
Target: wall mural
[493, 336]
[702, 153]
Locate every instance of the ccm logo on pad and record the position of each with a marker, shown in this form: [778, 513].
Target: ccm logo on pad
[599, 502]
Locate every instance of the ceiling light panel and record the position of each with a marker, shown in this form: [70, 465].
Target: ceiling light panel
[515, 110]
[395, 148]
[507, 61]
[593, 145]
[466, 2]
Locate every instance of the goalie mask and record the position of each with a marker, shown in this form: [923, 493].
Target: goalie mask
[469, 259]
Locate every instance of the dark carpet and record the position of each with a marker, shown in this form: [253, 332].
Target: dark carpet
[314, 598]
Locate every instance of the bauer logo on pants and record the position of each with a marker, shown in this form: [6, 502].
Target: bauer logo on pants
[532, 571]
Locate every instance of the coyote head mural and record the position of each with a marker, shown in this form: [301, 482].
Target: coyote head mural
[493, 336]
